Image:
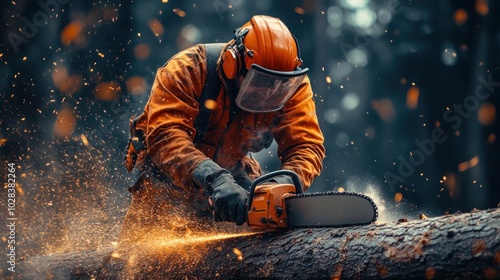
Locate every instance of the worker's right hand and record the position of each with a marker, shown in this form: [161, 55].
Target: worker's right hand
[230, 200]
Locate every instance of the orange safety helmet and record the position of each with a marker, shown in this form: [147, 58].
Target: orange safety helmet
[265, 41]
[267, 55]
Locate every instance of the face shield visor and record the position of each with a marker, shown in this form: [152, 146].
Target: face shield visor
[265, 90]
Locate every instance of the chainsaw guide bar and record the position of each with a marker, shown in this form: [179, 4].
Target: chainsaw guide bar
[330, 209]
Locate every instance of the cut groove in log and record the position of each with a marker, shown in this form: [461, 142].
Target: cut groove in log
[454, 246]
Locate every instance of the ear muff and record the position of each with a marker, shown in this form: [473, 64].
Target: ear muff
[233, 56]
[230, 63]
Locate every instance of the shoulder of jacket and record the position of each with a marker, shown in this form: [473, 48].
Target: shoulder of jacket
[193, 54]
[198, 49]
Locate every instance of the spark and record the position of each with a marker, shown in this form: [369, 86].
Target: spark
[156, 27]
[179, 12]
[238, 253]
[398, 197]
[412, 97]
[468, 164]
[84, 139]
[299, 10]
[173, 242]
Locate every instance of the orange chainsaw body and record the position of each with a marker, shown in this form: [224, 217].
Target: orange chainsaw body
[267, 211]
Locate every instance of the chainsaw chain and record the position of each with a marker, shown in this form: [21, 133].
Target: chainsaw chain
[327, 193]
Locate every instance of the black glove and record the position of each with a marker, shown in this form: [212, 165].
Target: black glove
[282, 179]
[230, 200]
[243, 181]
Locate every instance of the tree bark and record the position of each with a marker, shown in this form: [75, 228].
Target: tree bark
[458, 246]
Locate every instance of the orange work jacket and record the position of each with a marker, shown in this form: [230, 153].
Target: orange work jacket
[168, 123]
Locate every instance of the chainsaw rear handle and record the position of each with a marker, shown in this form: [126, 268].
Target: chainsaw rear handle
[295, 179]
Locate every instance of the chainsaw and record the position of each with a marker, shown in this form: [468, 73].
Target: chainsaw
[275, 206]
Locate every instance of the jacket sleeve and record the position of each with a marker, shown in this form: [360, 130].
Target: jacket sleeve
[171, 111]
[299, 137]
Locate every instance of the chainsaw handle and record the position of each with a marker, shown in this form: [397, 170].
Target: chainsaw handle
[295, 179]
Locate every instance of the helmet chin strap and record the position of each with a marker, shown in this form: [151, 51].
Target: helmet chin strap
[298, 52]
[239, 35]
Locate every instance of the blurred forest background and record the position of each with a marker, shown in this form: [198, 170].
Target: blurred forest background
[407, 94]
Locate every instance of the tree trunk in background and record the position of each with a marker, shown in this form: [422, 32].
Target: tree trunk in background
[458, 246]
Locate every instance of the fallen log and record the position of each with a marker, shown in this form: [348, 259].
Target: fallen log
[457, 246]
